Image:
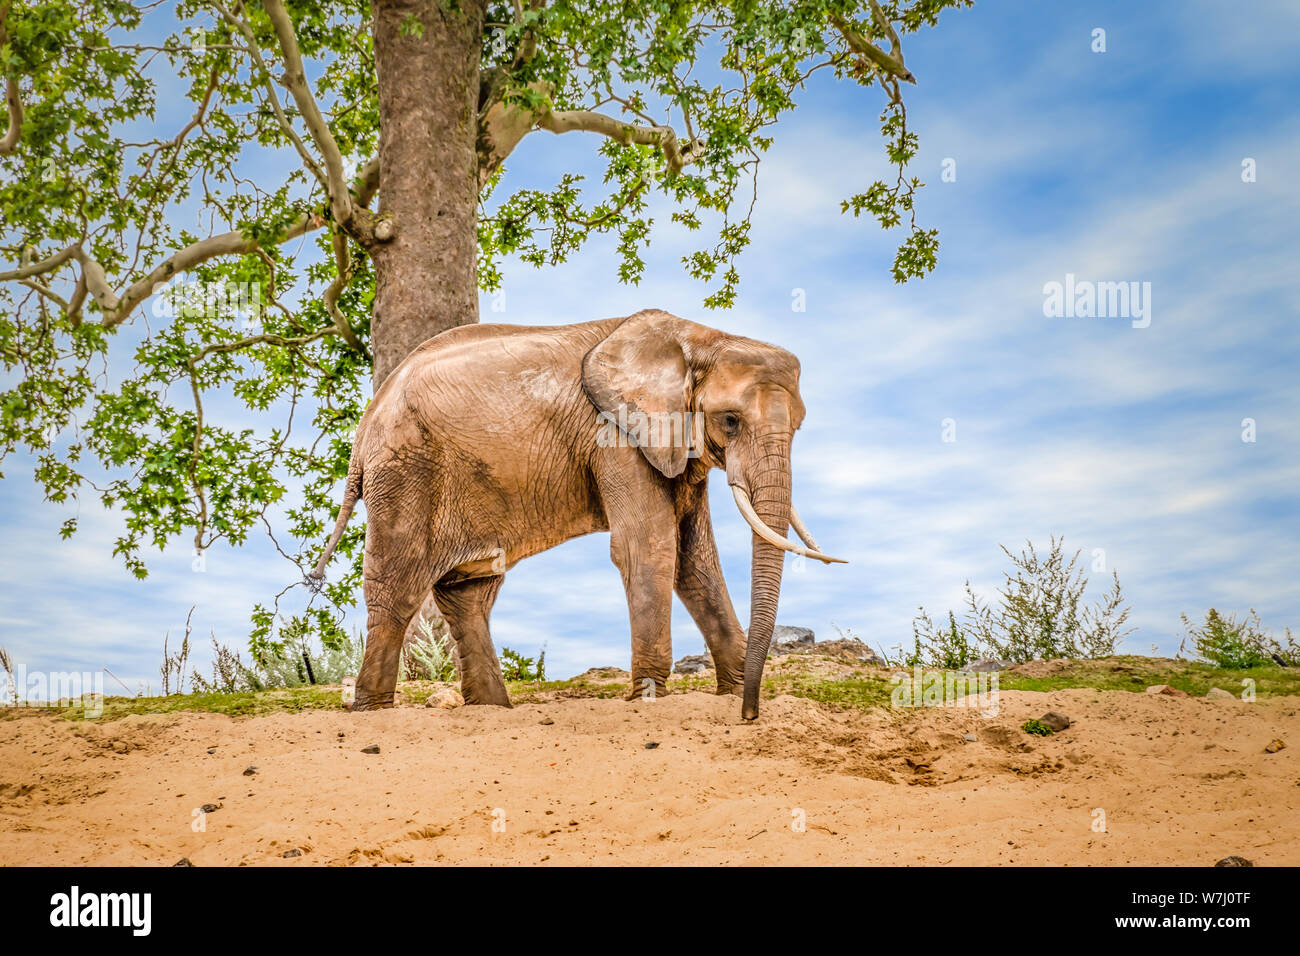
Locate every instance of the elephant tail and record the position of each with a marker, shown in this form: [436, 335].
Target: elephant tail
[350, 497]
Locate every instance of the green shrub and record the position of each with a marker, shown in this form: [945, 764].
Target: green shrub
[1037, 728]
[430, 656]
[516, 667]
[950, 648]
[1225, 642]
[1039, 614]
[295, 662]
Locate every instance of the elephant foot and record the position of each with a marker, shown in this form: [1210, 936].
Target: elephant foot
[647, 688]
[471, 701]
[724, 689]
[374, 702]
[480, 691]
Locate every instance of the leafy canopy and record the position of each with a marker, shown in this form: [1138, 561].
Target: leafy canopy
[183, 225]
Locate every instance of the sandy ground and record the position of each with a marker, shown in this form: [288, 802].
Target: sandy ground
[1180, 782]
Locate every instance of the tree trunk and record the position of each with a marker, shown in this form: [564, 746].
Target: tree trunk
[427, 62]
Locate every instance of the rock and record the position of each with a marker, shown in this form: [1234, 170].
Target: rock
[1166, 690]
[1275, 745]
[603, 673]
[985, 665]
[652, 745]
[855, 650]
[693, 664]
[183, 861]
[970, 738]
[210, 807]
[1234, 861]
[784, 634]
[445, 698]
[372, 749]
[1215, 693]
[250, 770]
[1057, 722]
[546, 721]
[290, 854]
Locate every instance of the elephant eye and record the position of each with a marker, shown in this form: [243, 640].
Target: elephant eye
[731, 422]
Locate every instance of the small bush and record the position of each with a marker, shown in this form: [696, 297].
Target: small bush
[292, 663]
[174, 665]
[951, 647]
[516, 667]
[229, 675]
[1037, 728]
[1039, 614]
[1225, 642]
[430, 656]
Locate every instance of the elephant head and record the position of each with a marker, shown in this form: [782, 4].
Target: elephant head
[685, 392]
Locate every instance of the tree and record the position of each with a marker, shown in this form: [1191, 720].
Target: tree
[390, 124]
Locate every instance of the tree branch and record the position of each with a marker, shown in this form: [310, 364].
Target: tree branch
[117, 310]
[295, 79]
[242, 25]
[891, 63]
[662, 137]
[343, 262]
[45, 265]
[9, 142]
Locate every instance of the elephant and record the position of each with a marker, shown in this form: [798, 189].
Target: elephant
[492, 443]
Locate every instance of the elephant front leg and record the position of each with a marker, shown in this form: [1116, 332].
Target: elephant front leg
[703, 590]
[647, 571]
[643, 546]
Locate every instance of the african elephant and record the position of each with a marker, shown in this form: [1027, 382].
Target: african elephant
[491, 443]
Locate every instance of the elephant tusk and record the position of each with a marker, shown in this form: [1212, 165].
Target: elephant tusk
[770, 536]
[801, 529]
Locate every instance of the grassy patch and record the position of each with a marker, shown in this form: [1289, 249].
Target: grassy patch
[1139, 673]
[838, 683]
[242, 704]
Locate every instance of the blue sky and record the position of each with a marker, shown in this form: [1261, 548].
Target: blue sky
[1116, 166]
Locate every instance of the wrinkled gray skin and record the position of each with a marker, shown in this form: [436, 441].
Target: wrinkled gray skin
[485, 446]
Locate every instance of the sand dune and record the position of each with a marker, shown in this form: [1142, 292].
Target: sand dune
[1180, 781]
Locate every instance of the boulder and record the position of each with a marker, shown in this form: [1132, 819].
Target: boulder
[693, 664]
[1057, 722]
[603, 673]
[445, 698]
[784, 634]
[1215, 693]
[986, 665]
[1166, 690]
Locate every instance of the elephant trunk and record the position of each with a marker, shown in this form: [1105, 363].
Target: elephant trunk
[771, 504]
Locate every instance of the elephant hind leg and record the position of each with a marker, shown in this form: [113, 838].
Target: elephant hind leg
[387, 619]
[397, 580]
[466, 606]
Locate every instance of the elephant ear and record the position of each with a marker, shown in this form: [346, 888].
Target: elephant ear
[638, 377]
